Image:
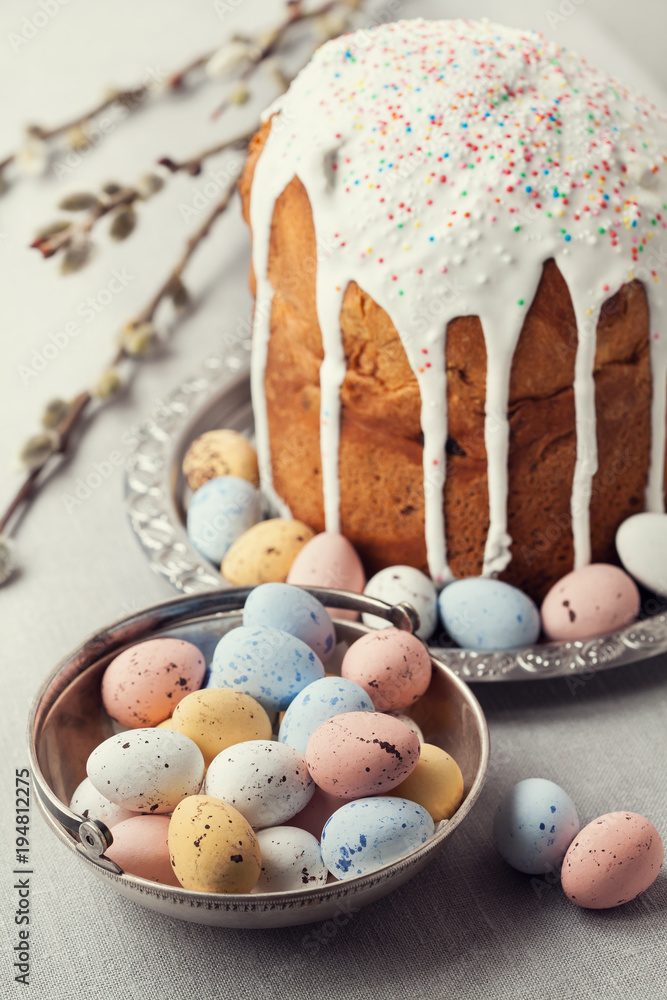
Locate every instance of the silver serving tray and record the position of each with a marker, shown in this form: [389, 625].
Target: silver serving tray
[156, 494]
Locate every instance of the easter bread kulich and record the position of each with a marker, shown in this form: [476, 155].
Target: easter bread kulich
[459, 344]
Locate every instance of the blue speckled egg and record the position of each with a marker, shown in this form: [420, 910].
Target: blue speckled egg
[219, 513]
[317, 703]
[266, 663]
[368, 833]
[284, 606]
[481, 613]
[534, 825]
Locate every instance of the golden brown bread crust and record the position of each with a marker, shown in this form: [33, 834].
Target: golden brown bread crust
[380, 466]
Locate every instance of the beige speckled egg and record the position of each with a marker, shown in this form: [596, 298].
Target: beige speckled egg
[217, 718]
[265, 553]
[142, 685]
[612, 860]
[220, 453]
[436, 783]
[212, 847]
[140, 848]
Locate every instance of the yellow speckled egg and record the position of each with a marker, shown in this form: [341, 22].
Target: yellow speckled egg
[265, 553]
[217, 718]
[436, 783]
[220, 453]
[212, 848]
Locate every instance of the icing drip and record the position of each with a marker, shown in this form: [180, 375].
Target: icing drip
[445, 162]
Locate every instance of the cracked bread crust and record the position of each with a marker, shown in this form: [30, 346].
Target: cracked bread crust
[380, 463]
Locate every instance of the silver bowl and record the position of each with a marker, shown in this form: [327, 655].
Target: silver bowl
[156, 494]
[67, 721]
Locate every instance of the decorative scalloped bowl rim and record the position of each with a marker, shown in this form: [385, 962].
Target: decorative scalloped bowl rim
[154, 488]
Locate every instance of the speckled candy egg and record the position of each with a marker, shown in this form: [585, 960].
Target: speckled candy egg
[318, 702]
[291, 609]
[220, 453]
[590, 601]
[534, 825]
[611, 861]
[143, 684]
[393, 667]
[217, 718]
[265, 553]
[291, 859]
[397, 584]
[363, 836]
[219, 513]
[140, 848]
[266, 663]
[266, 781]
[315, 813]
[481, 613]
[436, 783]
[361, 753]
[212, 846]
[91, 804]
[329, 560]
[641, 542]
[147, 770]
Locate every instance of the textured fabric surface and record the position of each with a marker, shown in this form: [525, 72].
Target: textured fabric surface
[468, 926]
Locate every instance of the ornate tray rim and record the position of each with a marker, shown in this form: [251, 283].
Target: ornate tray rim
[153, 479]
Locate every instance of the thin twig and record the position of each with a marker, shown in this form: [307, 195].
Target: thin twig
[295, 15]
[49, 245]
[193, 165]
[129, 98]
[147, 314]
[75, 413]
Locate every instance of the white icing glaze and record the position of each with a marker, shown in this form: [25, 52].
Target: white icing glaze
[445, 162]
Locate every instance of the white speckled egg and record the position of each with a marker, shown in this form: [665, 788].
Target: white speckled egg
[641, 542]
[291, 859]
[481, 613]
[396, 584]
[534, 825]
[590, 601]
[364, 835]
[318, 702]
[291, 609]
[266, 781]
[147, 770]
[220, 512]
[90, 804]
[270, 665]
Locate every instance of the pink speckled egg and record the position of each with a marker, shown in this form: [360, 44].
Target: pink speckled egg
[612, 860]
[143, 684]
[329, 560]
[393, 667]
[314, 815]
[140, 848]
[361, 753]
[590, 601]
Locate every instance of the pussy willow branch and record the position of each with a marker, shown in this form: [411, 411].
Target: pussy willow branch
[79, 406]
[295, 15]
[130, 98]
[51, 244]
